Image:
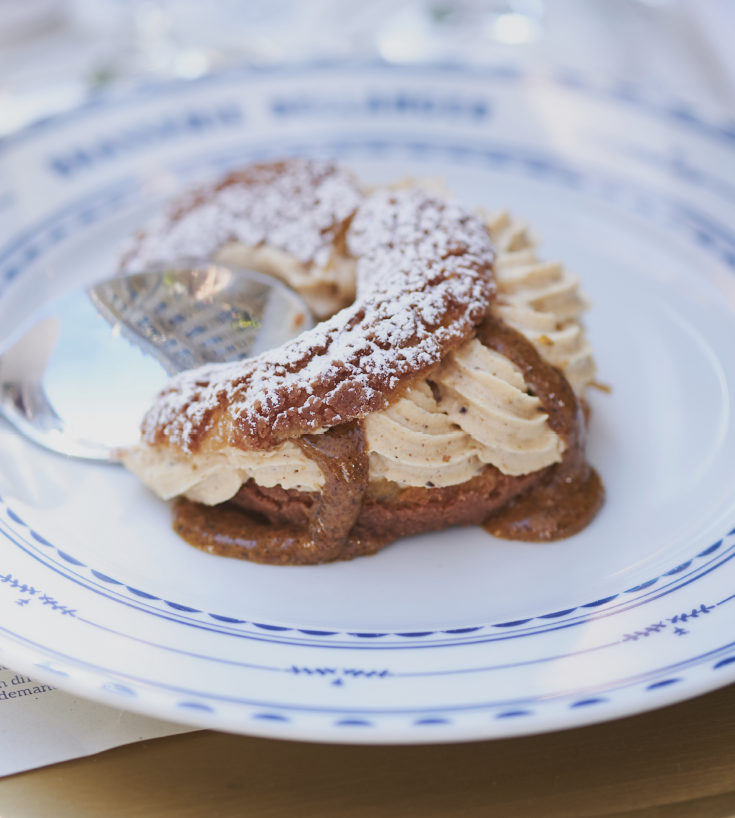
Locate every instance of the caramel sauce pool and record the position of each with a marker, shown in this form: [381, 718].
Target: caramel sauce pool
[571, 493]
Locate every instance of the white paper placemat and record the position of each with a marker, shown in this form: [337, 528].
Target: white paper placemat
[40, 725]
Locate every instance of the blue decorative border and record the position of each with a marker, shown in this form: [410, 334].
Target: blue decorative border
[675, 112]
[500, 631]
[135, 687]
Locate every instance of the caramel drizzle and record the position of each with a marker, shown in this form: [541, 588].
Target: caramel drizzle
[341, 455]
[570, 494]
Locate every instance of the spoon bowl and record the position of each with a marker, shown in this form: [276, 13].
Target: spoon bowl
[79, 373]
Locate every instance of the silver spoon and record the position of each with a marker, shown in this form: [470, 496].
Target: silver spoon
[78, 375]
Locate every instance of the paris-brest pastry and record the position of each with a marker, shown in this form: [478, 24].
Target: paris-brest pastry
[443, 386]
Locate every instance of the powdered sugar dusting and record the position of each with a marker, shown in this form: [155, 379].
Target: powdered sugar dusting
[298, 206]
[424, 281]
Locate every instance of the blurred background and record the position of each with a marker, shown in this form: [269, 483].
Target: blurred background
[55, 53]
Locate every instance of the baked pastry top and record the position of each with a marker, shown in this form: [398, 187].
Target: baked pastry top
[444, 385]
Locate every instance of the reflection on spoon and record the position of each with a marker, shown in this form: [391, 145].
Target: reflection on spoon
[79, 373]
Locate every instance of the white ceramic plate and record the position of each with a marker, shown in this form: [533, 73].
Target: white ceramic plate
[441, 637]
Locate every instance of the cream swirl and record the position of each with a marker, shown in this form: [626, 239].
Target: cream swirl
[542, 300]
[484, 415]
[414, 443]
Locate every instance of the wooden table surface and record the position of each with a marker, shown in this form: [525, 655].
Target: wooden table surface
[679, 761]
